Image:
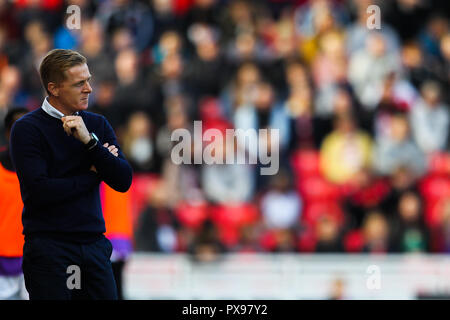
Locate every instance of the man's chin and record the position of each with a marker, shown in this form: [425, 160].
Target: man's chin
[83, 105]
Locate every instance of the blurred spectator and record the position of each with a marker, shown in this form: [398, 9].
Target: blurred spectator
[130, 94]
[305, 128]
[92, 46]
[103, 102]
[430, 119]
[170, 43]
[134, 16]
[406, 16]
[445, 79]
[418, 67]
[238, 16]
[138, 144]
[246, 47]
[240, 90]
[281, 205]
[121, 39]
[376, 233]
[296, 74]
[38, 43]
[441, 233]
[164, 16]
[164, 81]
[183, 180]
[248, 239]
[398, 96]
[358, 33]
[369, 67]
[279, 35]
[156, 227]
[227, 183]
[436, 28]
[202, 12]
[409, 232]
[401, 181]
[206, 246]
[315, 17]
[47, 11]
[366, 192]
[337, 291]
[175, 116]
[263, 111]
[345, 151]
[397, 149]
[205, 74]
[66, 38]
[329, 235]
[330, 64]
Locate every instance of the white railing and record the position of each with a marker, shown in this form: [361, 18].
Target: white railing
[286, 276]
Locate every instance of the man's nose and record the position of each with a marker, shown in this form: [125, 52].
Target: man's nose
[87, 88]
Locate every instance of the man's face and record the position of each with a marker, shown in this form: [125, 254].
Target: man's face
[75, 89]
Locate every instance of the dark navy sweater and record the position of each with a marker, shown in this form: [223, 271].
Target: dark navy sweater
[60, 194]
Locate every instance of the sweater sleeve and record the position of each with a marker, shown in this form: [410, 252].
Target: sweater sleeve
[115, 171]
[37, 188]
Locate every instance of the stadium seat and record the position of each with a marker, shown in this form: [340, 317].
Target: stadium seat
[314, 210]
[439, 163]
[142, 186]
[192, 215]
[306, 163]
[434, 189]
[316, 188]
[353, 241]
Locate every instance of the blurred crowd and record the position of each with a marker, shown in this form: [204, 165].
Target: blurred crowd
[363, 115]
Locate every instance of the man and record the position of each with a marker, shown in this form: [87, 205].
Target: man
[11, 238]
[61, 154]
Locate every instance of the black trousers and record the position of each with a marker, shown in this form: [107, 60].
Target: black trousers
[117, 267]
[60, 270]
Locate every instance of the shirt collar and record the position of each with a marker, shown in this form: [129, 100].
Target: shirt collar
[52, 111]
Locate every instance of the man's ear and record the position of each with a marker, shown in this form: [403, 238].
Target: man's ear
[53, 88]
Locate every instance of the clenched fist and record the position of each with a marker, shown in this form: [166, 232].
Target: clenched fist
[74, 125]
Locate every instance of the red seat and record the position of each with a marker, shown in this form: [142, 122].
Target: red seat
[314, 210]
[354, 241]
[230, 218]
[316, 188]
[192, 215]
[435, 189]
[141, 187]
[268, 240]
[238, 215]
[439, 163]
[306, 163]
[307, 240]
[229, 235]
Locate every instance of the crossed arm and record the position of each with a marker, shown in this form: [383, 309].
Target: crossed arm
[39, 189]
[108, 161]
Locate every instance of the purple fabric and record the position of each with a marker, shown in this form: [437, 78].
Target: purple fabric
[10, 266]
[121, 248]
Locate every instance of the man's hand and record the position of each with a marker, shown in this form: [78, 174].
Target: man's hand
[112, 148]
[74, 125]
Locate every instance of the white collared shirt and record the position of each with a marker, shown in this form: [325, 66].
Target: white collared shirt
[52, 111]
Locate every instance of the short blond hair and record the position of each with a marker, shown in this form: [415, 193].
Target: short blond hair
[56, 63]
